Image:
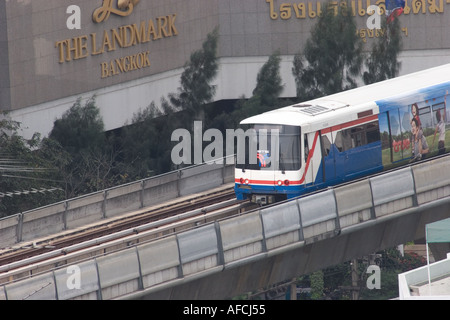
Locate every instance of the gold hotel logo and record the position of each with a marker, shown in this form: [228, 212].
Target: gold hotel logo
[124, 8]
[110, 40]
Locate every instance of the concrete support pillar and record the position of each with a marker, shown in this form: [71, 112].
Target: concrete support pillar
[355, 278]
[293, 288]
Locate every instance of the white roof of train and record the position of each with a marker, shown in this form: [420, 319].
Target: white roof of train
[343, 107]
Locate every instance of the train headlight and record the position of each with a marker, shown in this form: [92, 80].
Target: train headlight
[285, 182]
[242, 181]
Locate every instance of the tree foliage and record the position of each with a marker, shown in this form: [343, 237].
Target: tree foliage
[317, 285]
[88, 160]
[382, 62]
[335, 282]
[145, 143]
[269, 83]
[80, 128]
[265, 94]
[27, 178]
[196, 89]
[332, 57]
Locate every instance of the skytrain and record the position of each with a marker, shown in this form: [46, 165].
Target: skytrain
[337, 138]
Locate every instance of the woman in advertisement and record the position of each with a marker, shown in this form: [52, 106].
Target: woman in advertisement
[420, 145]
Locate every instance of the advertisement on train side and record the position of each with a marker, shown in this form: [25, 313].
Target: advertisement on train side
[414, 130]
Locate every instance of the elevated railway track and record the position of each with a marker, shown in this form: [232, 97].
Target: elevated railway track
[178, 255]
[107, 236]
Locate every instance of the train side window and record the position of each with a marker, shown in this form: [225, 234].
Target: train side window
[357, 136]
[338, 141]
[326, 145]
[306, 148]
[360, 135]
[343, 140]
[373, 132]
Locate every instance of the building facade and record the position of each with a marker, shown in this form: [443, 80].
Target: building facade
[129, 53]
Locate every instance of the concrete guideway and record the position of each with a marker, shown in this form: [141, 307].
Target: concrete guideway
[112, 234]
[265, 246]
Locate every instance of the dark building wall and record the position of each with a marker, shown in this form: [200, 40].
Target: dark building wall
[5, 99]
[37, 68]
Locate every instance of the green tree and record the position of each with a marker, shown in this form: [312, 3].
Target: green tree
[265, 97]
[382, 62]
[80, 128]
[196, 89]
[27, 179]
[146, 142]
[317, 285]
[265, 94]
[332, 57]
[269, 83]
[88, 160]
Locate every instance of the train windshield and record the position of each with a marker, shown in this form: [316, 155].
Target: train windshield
[269, 147]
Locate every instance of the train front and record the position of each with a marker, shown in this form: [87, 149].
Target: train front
[268, 162]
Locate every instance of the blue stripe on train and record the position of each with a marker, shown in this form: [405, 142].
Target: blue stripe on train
[352, 164]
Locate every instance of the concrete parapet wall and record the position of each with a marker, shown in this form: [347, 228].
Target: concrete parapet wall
[9, 229]
[354, 203]
[119, 273]
[67, 286]
[198, 249]
[393, 191]
[40, 287]
[318, 214]
[241, 236]
[31, 223]
[159, 261]
[432, 180]
[124, 198]
[160, 189]
[82, 211]
[281, 225]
